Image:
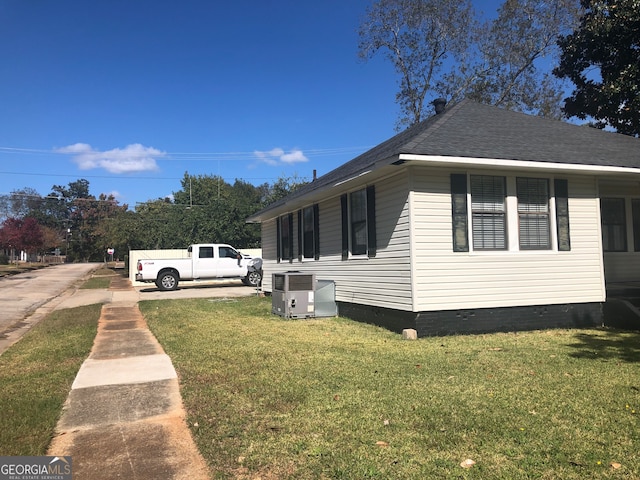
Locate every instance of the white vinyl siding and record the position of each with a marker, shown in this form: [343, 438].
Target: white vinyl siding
[448, 280]
[416, 268]
[384, 280]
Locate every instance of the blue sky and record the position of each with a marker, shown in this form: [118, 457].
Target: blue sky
[131, 94]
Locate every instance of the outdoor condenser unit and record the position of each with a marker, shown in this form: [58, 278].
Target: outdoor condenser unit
[293, 295]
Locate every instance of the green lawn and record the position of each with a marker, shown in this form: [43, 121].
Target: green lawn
[100, 278]
[36, 375]
[273, 398]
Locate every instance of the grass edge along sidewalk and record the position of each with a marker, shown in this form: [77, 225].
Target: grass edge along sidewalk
[36, 375]
[335, 399]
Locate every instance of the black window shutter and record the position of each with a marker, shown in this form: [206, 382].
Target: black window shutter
[299, 235]
[459, 214]
[316, 232]
[561, 188]
[278, 239]
[345, 226]
[290, 237]
[635, 215]
[371, 222]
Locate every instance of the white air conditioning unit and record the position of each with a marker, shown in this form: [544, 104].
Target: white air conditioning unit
[293, 294]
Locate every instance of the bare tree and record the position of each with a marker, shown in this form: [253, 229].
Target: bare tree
[516, 55]
[443, 49]
[420, 38]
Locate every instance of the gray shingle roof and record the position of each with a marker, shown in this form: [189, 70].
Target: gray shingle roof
[473, 130]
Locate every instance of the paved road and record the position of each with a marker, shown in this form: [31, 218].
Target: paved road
[21, 295]
[27, 298]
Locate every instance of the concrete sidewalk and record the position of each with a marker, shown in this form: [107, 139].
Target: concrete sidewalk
[124, 416]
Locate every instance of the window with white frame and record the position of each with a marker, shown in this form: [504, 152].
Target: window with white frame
[497, 202]
[359, 223]
[488, 212]
[614, 224]
[285, 237]
[534, 226]
[308, 234]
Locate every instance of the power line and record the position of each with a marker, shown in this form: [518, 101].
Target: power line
[31, 174]
[201, 156]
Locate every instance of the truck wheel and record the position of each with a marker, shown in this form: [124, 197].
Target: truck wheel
[167, 281]
[253, 279]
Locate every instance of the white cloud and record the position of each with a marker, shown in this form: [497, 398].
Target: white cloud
[277, 156]
[116, 194]
[132, 158]
[295, 156]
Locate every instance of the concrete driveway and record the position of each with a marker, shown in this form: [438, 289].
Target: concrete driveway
[198, 289]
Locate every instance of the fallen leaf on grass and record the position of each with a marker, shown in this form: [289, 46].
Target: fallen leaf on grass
[495, 349]
[382, 444]
[468, 463]
[615, 465]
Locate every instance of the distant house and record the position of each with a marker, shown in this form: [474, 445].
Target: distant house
[477, 219]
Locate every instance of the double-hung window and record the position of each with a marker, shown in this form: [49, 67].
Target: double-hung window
[285, 237]
[614, 224]
[359, 223]
[488, 212]
[308, 233]
[533, 213]
[509, 212]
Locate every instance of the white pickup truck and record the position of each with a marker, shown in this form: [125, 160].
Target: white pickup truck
[205, 262]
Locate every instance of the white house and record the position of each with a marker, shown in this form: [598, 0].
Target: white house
[476, 219]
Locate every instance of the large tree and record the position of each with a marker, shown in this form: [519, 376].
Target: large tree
[442, 48]
[88, 221]
[19, 203]
[509, 70]
[215, 211]
[602, 58]
[417, 37]
[21, 234]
